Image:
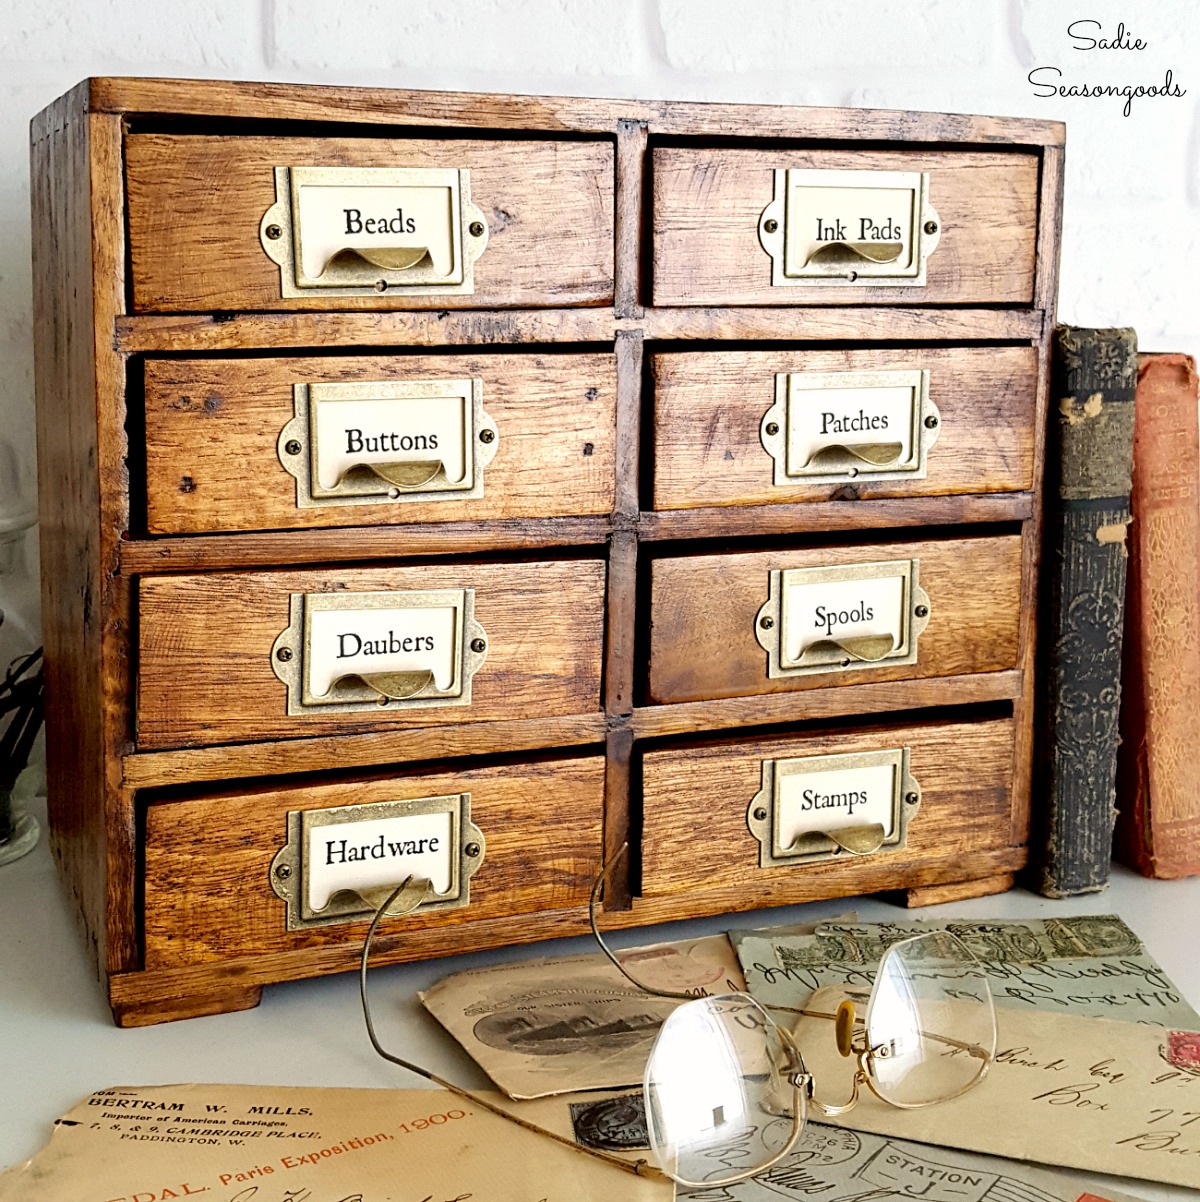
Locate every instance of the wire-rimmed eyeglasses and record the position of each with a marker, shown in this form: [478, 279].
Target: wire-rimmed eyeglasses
[726, 1089]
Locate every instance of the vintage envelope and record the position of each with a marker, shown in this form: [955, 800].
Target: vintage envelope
[235, 1143]
[1082, 965]
[541, 1027]
[835, 1164]
[1086, 1093]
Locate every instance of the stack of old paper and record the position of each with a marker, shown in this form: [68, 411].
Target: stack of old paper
[1089, 1094]
[1097, 1066]
[1066, 989]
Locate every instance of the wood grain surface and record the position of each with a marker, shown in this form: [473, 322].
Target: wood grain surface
[193, 245]
[193, 333]
[212, 426]
[707, 204]
[205, 673]
[218, 99]
[694, 801]
[703, 610]
[208, 860]
[708, 409]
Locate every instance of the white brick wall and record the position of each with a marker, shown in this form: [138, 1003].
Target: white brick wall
[1131, 253]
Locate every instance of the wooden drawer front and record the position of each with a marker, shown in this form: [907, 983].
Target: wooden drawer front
[708, 205]
[214, 460]
[709, 410]
[206, 672]
[196, 205]
[964, 772]
[704, 615]
[208, 860]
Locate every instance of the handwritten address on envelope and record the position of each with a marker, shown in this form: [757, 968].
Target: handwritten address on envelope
[1086, 1093]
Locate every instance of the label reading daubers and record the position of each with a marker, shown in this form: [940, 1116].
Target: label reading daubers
[372, 643]
[346, 651]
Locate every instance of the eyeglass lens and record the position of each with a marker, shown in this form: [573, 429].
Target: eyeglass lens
[930, 1023]
[719, 1100]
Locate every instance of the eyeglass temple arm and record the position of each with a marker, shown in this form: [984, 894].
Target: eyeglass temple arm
[972, 1049]
[596, 887]
[641, 1168]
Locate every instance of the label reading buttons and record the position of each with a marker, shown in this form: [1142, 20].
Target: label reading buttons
[388, 441]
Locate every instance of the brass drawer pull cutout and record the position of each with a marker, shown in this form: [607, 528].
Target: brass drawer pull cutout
[389, 441]
[833, 228]
[829, 427]
[357, 231]
[828, 807]
[343, 652]
[339, 865]
[836, 618]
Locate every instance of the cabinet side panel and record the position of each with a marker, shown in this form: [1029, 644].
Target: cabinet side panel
[68, 488]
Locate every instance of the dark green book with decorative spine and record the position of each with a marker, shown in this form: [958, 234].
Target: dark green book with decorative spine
[1089, 458]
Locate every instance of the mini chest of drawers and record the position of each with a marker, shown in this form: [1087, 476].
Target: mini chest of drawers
[462, 487]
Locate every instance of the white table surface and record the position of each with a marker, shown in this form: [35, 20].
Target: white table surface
[58, 1042]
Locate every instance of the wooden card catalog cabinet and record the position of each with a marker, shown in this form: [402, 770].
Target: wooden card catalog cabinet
[453, 490]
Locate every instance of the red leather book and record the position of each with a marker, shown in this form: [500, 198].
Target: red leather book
[1158, 779]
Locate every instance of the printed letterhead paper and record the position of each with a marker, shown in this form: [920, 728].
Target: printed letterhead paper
[235, 1143]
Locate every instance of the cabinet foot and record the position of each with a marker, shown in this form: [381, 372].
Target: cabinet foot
[933, 895]
[224, 1001]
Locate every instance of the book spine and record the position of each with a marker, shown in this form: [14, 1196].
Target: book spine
[1089, 459]
[1158, 827]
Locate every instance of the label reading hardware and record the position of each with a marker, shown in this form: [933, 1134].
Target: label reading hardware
[826, 806]
[371, 443]
[347, 651]
[832, 618]
[351, 231]
[341, 864]
[829, 427]
[845, 227]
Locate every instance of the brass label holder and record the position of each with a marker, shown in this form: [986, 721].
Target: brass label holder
[834, 228]
[834, 427]
[389, 441]
[346, 652]
[841, 618]
[339, 865]
[362, 231]
[833, 807]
